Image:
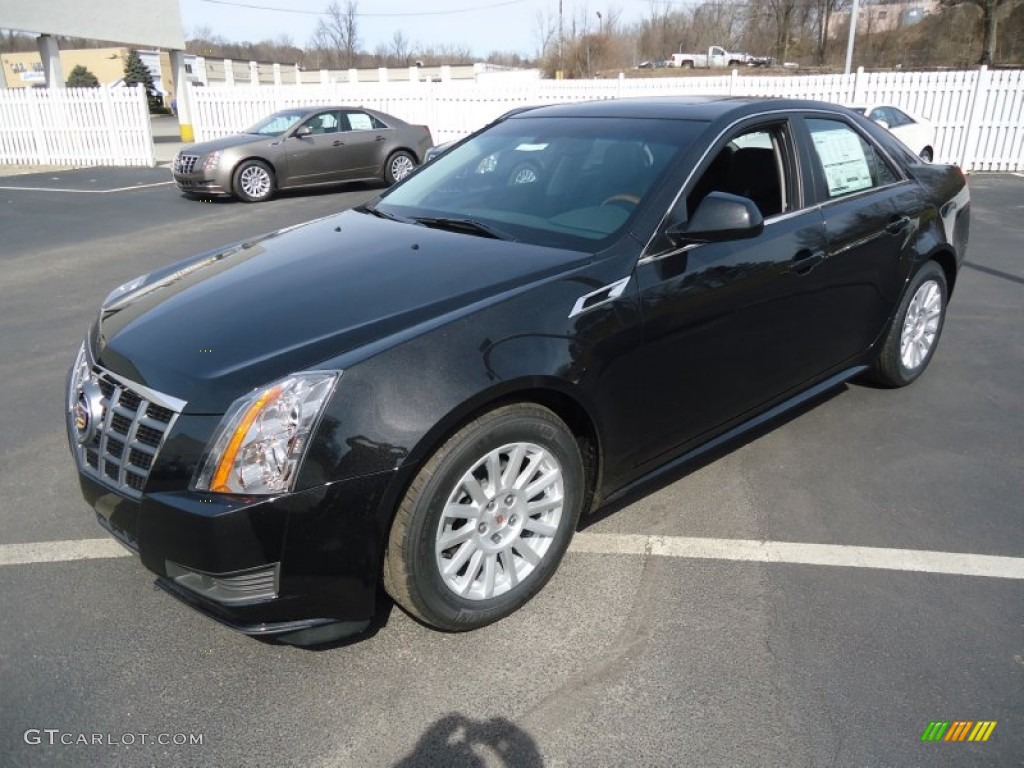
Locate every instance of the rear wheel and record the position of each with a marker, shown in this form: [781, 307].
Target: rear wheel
[926, 154]
[253, 181]
[914, 335]
[398, 166]
[486, 522]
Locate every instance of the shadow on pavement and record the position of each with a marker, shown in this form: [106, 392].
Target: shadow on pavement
[456, 741]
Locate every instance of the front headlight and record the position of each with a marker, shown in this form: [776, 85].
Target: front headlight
[210, 163]
[263, 437]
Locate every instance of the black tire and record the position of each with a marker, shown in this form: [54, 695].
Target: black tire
[686, 65]
[890, 369]
[927, 155]
[412, 568]
[253, 181]
[399, 165]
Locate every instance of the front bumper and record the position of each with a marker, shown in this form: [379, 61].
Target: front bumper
[202, 183]
[301, 566]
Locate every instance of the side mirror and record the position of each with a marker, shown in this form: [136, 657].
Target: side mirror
[303, 132]
[883, 123]
[719, 217]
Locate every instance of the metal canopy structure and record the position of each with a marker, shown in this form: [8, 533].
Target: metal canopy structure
[151, 24]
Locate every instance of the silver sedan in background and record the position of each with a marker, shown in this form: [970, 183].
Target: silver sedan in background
[302, 147]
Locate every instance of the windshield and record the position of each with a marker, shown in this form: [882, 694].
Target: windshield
[276, 124]
[560, 181]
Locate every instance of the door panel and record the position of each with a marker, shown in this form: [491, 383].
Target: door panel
[366, 146]
[869, 229]
[318, 157]
[727, 327]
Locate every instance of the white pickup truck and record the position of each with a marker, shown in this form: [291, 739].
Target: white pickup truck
[716, 56]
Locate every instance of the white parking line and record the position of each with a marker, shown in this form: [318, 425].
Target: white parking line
[747, 550]
[954, 563]
[87, 191]
[58, 551]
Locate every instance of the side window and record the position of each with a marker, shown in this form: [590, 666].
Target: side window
[325, 122]
[848, 163]
[360, 121]
[898, 118]
[751, 165]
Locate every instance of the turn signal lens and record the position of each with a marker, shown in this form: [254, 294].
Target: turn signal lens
[262, 439]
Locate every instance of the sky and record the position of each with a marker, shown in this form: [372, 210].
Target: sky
[480, 25]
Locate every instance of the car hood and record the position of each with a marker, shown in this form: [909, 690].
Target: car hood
[226, 142]
[212, 328]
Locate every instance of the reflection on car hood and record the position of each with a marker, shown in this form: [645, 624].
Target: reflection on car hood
[220, 325]
[235, 140]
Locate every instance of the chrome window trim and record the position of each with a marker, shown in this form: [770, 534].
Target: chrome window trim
[647, 258]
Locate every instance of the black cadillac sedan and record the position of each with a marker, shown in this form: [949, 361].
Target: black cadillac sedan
[429, 390]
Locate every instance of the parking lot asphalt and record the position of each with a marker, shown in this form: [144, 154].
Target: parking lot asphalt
[639, 652]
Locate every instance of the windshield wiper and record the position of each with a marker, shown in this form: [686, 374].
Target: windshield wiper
[469, 226]
[367, 208]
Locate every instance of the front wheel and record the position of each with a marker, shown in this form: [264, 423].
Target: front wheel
[254, 181]
[486, 522]
[927, 155]
[914, 335]
[398, 166]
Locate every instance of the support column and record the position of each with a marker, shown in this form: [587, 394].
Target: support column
[50, 54]
[183, 96]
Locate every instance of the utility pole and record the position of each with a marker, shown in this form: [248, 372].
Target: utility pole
[561, 41]
[853, 33]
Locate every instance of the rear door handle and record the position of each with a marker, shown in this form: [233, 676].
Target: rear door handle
[337, 143]
[381, 138]
[806, 260]
[897, 225]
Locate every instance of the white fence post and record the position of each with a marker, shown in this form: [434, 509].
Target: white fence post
[277, 73]
[229, 72]
[975, 111]
[858, 85]
[36, 121]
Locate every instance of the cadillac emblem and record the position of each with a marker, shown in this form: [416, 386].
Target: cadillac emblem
[87, 411]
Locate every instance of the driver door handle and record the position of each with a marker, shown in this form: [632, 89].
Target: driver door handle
[337, 143]
[381, 138]
[806, 260]
[897, 224]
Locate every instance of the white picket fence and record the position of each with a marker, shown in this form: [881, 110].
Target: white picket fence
[978, 114]
[75, 126]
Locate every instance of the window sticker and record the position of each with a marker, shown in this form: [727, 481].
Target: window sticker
[531, 147]
[360, 121]
[842, 156]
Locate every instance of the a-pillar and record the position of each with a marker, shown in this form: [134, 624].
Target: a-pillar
[50, 54]
[183, 96]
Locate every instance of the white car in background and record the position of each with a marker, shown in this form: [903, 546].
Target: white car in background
[917, 134]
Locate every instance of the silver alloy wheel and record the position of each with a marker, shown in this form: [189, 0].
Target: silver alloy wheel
[921, 325]
[255, 181]
[525, 175]
[499, 521]
[401, 166]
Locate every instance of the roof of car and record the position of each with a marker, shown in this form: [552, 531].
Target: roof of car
[674, 107]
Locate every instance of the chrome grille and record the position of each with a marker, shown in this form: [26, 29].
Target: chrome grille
[133, 422]
[185, 163]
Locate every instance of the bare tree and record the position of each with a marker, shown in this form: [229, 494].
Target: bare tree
[989, 17]
[399, 49]
[339, 32]
[782, 13]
